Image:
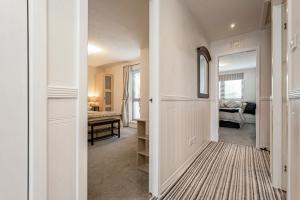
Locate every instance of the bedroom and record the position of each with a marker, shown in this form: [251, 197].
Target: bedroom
[118, 87]
[237, 98]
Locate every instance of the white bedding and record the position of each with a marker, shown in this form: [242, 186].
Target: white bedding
[236, 117]
[93, 115]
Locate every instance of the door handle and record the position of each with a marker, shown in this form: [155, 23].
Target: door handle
[151, 100]
[294, 43]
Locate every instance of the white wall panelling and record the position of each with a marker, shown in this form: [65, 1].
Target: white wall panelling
[294, 94]
[184, 119]
[62, 92]
[14, 100]
[294, 103]
[181, 98]
[188, 130]
[294, 148]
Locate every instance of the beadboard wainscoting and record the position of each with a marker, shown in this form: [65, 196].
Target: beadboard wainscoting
[185, 124]
[294, 94]
[62, 92]
[264, 122]
[62, 129]
[294, 138]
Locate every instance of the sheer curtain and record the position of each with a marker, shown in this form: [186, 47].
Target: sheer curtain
[125, 104]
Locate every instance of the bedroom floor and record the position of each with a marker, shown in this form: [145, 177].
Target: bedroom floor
[112, 172]
[244, 136]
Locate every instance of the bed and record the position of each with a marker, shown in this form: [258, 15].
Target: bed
[100, 115]
[231, 117]
[234, 114]
[95, 115]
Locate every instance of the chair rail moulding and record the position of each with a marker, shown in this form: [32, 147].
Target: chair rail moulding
[294, 94]
[57, 92]
[265, 98]
[181, 98]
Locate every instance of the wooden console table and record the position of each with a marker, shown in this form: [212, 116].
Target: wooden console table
[110, 121]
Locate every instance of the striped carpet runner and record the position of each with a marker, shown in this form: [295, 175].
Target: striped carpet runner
[226, 172]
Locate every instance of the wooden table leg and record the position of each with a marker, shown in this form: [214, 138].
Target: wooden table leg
[112, 129]
[119, 129]
[92, 135]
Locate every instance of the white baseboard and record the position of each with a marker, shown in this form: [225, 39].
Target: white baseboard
[177, 174]
[265, 147]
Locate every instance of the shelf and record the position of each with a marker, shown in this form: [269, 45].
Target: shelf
[143, 153]
[142, 145]
[144, 168]
[143, 137]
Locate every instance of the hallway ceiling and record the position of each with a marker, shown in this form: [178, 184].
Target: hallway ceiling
[215, 16]
[119, 29]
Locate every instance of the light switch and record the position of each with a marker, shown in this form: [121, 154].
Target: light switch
[294, 43]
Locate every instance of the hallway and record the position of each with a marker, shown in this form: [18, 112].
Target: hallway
[227, 172]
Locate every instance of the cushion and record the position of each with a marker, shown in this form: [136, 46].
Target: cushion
[222, 103]
[250, 108]
[244, 104]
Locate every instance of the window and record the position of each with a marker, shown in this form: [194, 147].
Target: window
[231, 86]
[135, 95]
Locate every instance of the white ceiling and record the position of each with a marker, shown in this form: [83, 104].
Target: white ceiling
[238, 61]
[215, 16]
[120, 28]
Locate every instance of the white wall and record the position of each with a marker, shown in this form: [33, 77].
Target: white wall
[184, 119]
[249, 91]
[294, 102]
[261, 39]
[14, 100]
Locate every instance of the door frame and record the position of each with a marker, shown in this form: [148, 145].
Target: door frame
[38, 99]
[37, 46]
[154, 96]
[216, 84]
[38, 183]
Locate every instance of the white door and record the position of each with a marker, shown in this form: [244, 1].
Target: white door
[13, 101]
[108, 92]
[294, 99]
[154, 91]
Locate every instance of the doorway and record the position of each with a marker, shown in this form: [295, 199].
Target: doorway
[238, 92]
[118, 93]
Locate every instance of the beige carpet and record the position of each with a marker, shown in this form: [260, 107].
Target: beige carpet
[245, 135]
[226, 172]
[112, 171]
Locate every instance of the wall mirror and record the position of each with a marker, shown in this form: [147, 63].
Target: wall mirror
[203, 59]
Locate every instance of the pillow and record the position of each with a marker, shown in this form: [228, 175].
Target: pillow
[233, 104]
[250, 108]
[222, 103]
[244, 104]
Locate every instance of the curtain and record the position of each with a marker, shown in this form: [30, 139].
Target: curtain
[125, 103]
[230, 77]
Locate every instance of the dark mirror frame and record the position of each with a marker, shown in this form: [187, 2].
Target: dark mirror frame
[202, 51]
